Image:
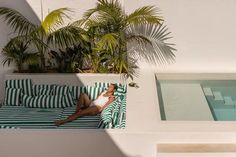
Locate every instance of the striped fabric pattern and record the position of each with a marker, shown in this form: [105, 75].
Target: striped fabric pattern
[106, 116]
[91, 91]
[122, 88]
[38, 89]
[13, 96]
[76, 90]
[114, 115]
[119, 115]
[43, 101]
[66, 93]
[25, 85]
[44, 91]
[20, 117]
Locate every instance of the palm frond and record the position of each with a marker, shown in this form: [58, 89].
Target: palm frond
[106, 10]
[16, 51]
[65, 37]
[144, 15]
[17, 21]
[55, 19]
[108, 41]
[106, 6]
[153, 47]
[31, 39]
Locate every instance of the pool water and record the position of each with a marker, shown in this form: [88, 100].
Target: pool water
[199, 100]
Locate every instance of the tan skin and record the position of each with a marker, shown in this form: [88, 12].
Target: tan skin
[83, 108]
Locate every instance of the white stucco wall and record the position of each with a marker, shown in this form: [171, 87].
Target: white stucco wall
[203, 31]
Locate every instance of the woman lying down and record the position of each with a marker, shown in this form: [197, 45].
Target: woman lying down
[87, 107]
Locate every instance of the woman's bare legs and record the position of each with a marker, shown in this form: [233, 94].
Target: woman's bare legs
[90, 111]
[83, 102]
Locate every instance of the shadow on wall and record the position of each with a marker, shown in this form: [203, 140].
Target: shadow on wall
[24, 8]
[6, 32]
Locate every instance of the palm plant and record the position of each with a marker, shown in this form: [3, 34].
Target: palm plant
[16, 52]
[69, 60]
[127, 37]
[49, 33]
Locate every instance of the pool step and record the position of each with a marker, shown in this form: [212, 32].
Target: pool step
[207, 91]
[228, 100]
[217, 100]
[221, 106]
[218, 96]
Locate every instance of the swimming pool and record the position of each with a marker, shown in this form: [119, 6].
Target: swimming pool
[197, 100]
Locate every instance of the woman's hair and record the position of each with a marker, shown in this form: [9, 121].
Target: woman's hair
[115, 86]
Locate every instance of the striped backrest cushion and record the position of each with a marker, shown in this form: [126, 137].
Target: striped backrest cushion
[91, 91]
[41, 88]
[122, 88]
[43, 101]
[66, 93]
[25, 85]
[44, 91]
[13, 96]
[76, 90]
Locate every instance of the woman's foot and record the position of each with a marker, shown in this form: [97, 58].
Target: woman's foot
[59, 122]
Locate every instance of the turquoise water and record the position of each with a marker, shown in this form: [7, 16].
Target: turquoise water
[197, 99]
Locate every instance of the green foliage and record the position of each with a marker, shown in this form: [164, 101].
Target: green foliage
[55, 19]
[68, 61]
[125, 38]
[16, 52]
[105, 40]
[17, 21]
[49, 32]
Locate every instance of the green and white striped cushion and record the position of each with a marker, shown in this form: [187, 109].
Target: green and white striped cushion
[43, 101]
[121, 87]
[114, 115]
[25, 85]
[76, 90]
[66, 93]
[13, 96]
[106, 116]
[91, 91]
[39, 88]
[44, 91]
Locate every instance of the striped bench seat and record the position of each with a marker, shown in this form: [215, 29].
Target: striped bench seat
[22, 117]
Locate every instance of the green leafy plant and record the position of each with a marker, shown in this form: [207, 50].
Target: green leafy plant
[68, 61]
[127, 37]
[51, 32]
[106, 39]
[16, 52]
